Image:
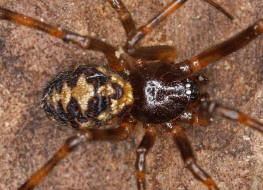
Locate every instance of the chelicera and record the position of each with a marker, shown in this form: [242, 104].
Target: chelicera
[139, 84]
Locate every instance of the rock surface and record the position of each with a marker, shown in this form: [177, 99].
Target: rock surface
[229, 152]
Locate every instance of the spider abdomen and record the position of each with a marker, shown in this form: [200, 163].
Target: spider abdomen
[86, 97]
[161, 93]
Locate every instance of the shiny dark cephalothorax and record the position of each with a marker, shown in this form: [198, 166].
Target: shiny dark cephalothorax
[138, 84]
[161, 92]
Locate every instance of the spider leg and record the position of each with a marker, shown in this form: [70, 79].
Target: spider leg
[120, 133]
[202, 111]
[200, 79]
[211, 108]
[222, 49]
[194, 115]
[184, 146]
[153, 53]
[168, 10]
[219, 8]
[84, 42]
[124, 16]
[144, 147]
[151, 24]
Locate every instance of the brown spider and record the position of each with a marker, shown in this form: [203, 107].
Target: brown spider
[91, 96]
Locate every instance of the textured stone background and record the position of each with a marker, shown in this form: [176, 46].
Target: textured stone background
[231, 153]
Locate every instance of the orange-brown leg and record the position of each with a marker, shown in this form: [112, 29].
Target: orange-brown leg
[200, 79]
[211, 108]
[120, 133]
[223, 49]
[152, 53]
[146, 143]
[219, 8]
[201, 113]
[184, 146]
[194, 115]
[168, 10]
[147, 28]
[195, 118]
[84, 42]
[124, 16]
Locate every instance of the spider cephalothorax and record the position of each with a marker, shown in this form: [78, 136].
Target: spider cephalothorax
[139, 83]
[161, 92]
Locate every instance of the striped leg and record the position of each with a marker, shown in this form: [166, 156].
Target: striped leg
[146, 143]
[184, 146]
[120, 133]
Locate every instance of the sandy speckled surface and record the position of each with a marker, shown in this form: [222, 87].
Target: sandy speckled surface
[232, 154]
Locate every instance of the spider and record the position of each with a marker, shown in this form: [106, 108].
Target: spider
[140, 84]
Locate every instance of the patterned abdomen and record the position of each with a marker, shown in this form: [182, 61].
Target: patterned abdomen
[86, 97]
